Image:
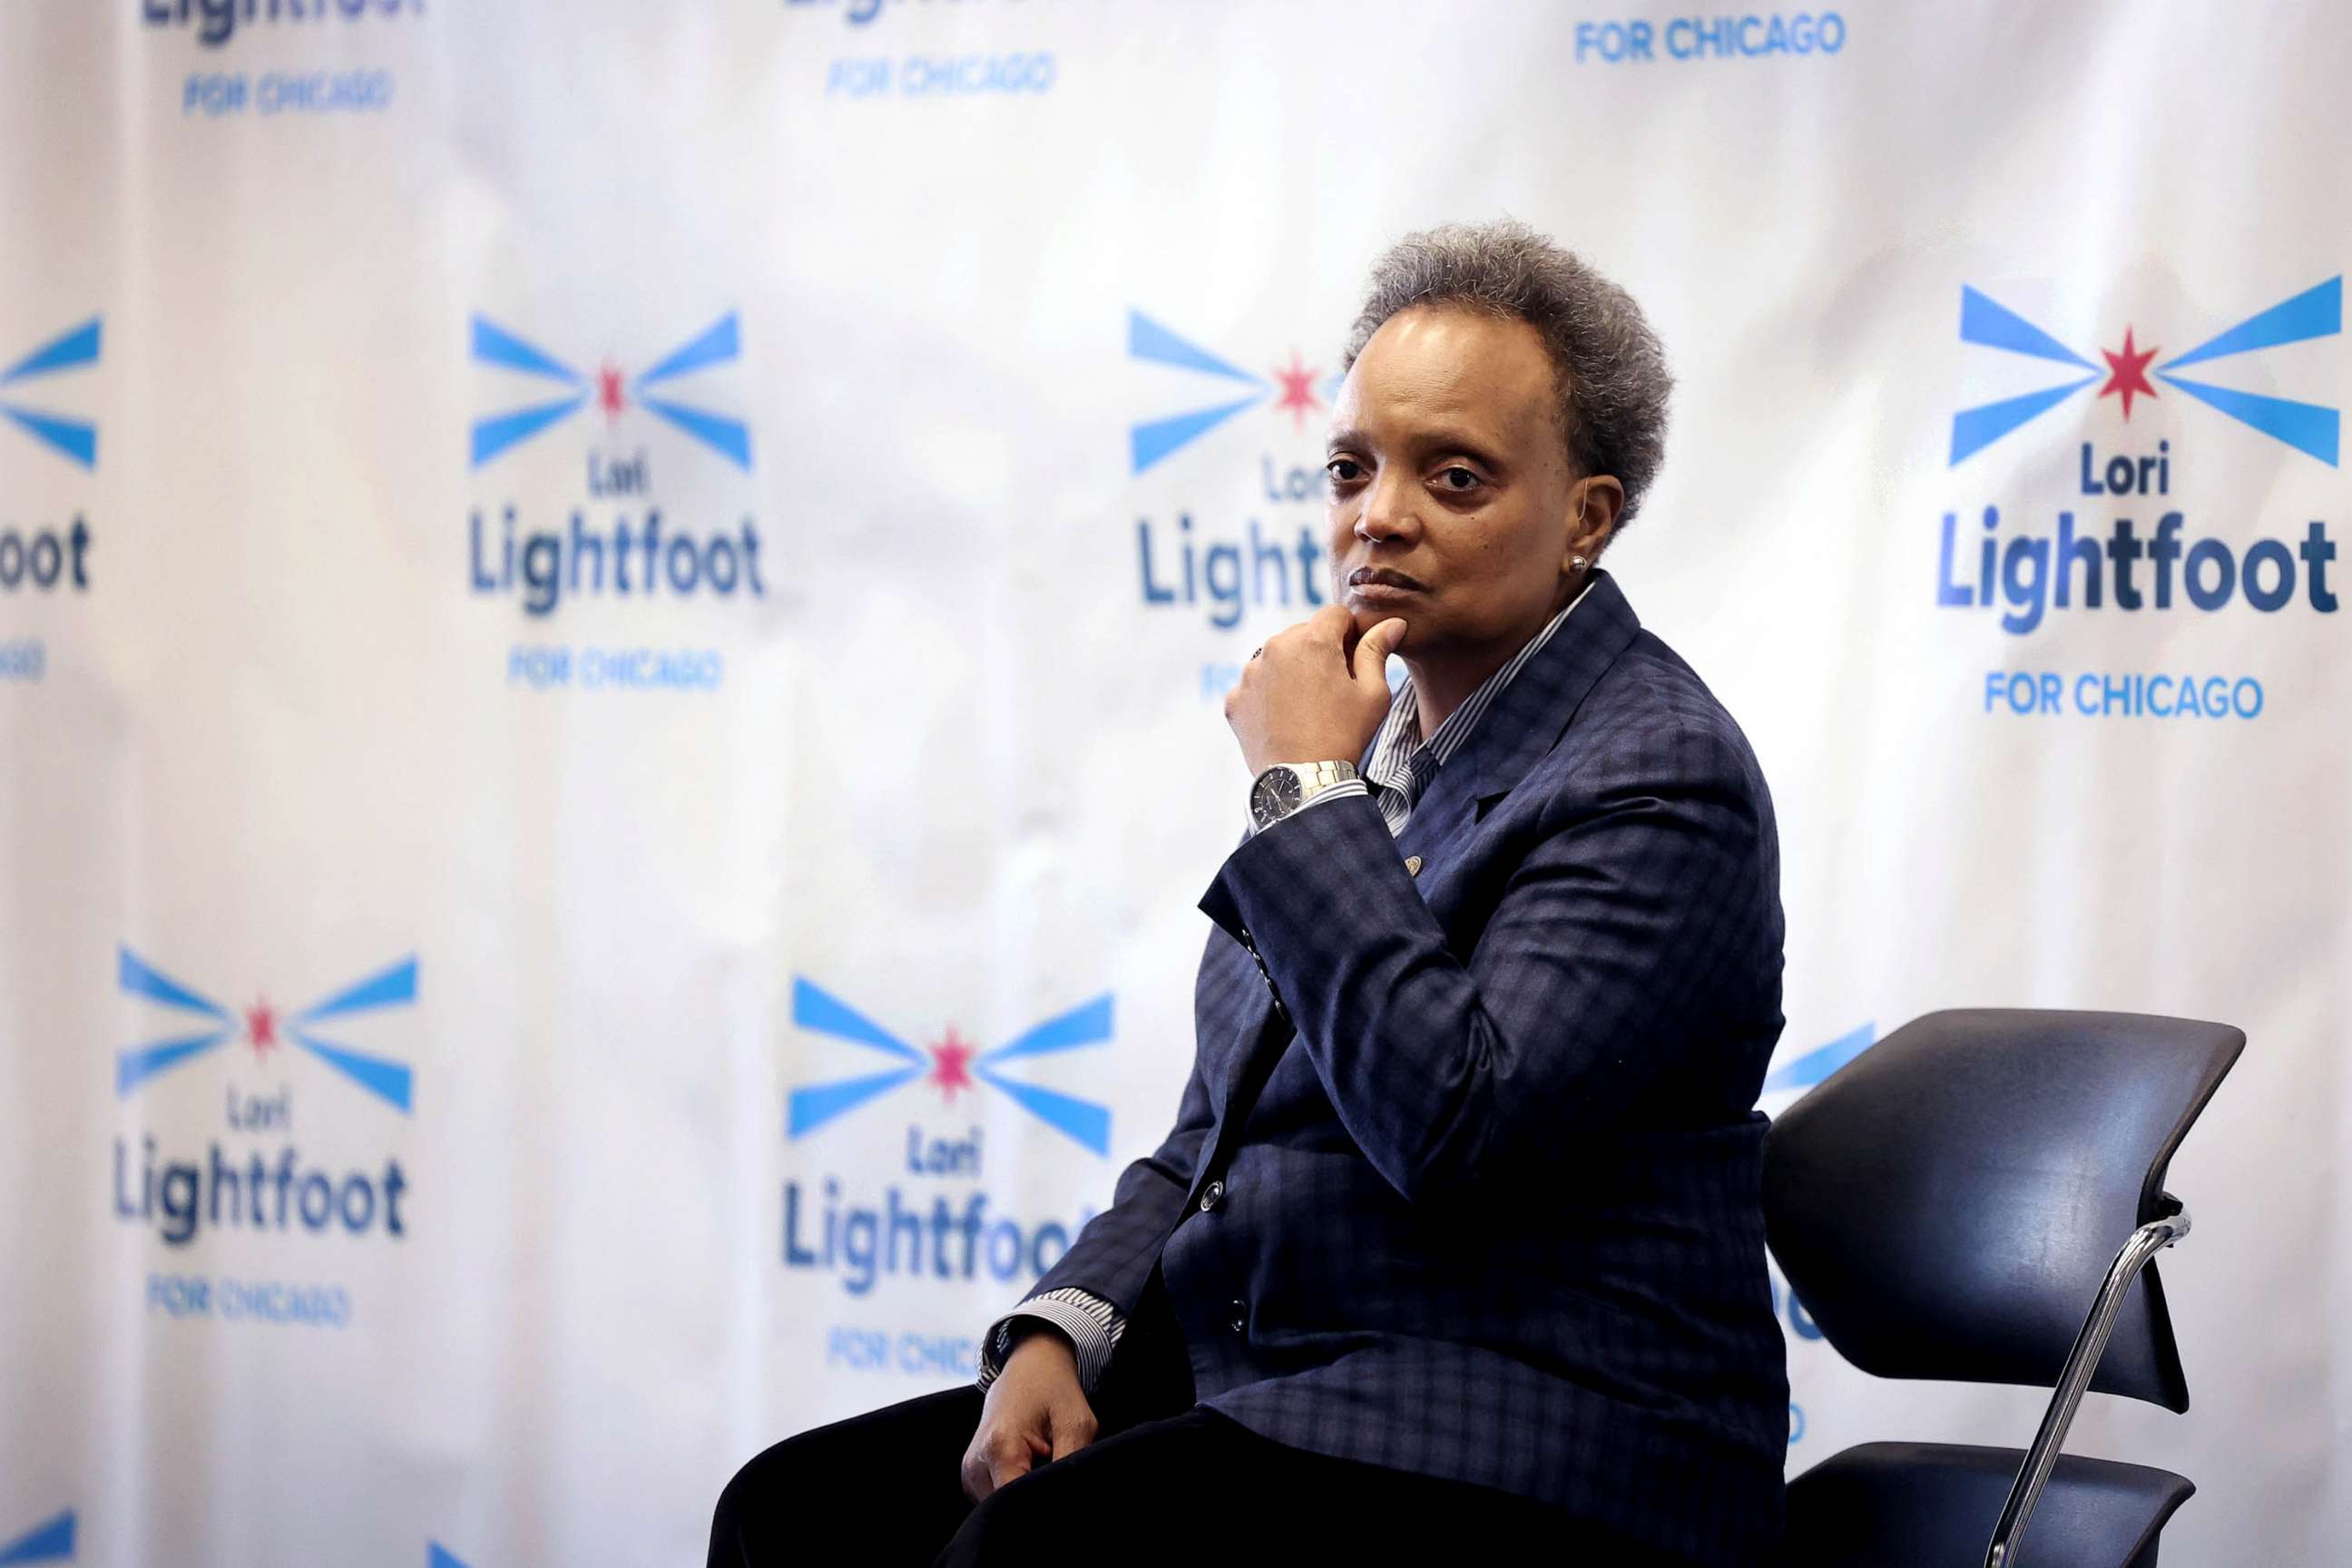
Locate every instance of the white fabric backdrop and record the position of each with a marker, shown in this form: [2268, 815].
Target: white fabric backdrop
[554, 926]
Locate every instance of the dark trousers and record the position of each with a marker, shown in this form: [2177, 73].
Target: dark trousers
[886, 1489]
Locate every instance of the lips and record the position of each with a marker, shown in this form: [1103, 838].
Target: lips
[1385, 577]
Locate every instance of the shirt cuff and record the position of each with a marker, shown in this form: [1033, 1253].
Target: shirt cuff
[1345, 789]
[1092, 1324]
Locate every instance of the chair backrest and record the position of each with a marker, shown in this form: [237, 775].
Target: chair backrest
[1946, 1204]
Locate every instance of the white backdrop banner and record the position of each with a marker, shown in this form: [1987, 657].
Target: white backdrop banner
[611, 620]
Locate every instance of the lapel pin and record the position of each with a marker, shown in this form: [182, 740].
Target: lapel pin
[1413, 865]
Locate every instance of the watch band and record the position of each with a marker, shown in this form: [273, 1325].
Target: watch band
[1283, 788]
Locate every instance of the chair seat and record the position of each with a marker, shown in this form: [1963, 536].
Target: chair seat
[1934, 1505]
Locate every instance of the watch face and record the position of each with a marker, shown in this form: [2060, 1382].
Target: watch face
[1276, 797]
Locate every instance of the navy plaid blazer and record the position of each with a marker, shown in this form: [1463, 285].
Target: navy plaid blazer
[1466, 1179]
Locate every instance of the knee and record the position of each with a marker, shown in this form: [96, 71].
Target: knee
[1008, 1526]
[757, 1490]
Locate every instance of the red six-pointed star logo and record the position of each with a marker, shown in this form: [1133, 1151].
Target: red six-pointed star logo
[2128, 373]
[1297, 390]
[952, 1064]
[261, 1029]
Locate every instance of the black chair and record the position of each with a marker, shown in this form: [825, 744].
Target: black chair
[1947, 1205]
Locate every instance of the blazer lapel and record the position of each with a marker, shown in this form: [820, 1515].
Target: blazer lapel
[1525, 721]
[1532, 713]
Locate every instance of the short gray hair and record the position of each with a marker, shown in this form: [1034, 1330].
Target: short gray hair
[1608, 366]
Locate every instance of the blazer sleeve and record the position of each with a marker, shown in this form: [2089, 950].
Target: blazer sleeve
[1113, 1255]
[1644, 910]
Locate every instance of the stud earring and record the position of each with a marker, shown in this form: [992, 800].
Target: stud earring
[1577, 561]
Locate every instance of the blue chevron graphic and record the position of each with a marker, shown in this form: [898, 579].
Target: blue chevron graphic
[392, 988]
[388, 1080]
[496, 433]
[1084, 1025]
[820, 1011]
[76, 348]
[500, 348]
[1977, 427]
[49, 1541]
[1986, 321]
[1082, 1120]
[137, 978]
[716, 344]
[1087, 1025]
[731, 438]
[1818, 1064]
[2314, 314]
[493, 344]
[1154, 440]
[439, 1556]
[2311, 428]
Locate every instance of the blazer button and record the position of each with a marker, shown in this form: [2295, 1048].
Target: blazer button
[1238, 1315]
[1211, 1195]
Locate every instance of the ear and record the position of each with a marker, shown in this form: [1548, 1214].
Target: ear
[1598, 502]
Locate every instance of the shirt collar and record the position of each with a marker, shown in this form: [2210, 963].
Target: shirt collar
[1403, 760]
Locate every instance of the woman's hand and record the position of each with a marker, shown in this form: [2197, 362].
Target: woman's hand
[1037, 1411]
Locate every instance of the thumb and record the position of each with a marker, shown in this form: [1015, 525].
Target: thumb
[1372, 651]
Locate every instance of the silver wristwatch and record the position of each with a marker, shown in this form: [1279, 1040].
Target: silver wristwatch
[1285, 786]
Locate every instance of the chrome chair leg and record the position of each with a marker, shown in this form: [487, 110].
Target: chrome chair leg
[2081, 1363]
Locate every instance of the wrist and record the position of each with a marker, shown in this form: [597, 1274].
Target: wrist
[1282, 788]
[1037, 1341]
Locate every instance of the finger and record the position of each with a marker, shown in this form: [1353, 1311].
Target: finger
[977, 1482]
[1331, 624]
[1073, 1430]
[1372, 651]
[1008, 1458]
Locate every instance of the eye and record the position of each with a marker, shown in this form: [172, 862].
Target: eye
[1458, 479]
[1344, 470]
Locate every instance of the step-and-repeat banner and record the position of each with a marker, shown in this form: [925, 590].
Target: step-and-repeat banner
[612, 621]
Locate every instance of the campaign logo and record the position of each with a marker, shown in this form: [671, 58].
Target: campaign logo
[2309, 428]
[949, 1065]
[1299, 392]
[76, 439]
[622, 535]
[46, 558]
[52, 1542]
[613, 391]
[2119, 543]
[1272, 558]
[254, 1177]
[934, 1222]
[262, 1025]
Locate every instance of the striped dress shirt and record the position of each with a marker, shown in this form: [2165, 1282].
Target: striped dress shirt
[1401, 767]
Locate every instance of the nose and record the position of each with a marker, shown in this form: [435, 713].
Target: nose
[1388, 510]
